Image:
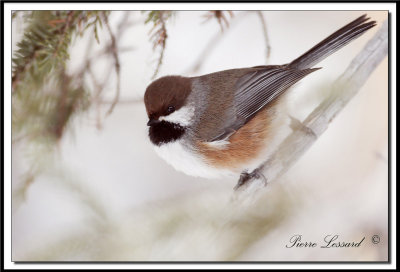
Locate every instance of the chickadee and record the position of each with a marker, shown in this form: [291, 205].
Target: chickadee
[224, 123]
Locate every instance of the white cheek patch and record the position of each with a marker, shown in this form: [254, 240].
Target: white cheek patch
[183, 116]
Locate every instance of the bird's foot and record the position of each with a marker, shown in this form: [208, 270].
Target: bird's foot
[247, 178]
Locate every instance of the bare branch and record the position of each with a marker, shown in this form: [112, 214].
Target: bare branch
[344, 89]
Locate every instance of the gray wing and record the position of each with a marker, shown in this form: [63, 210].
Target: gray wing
[255, 90]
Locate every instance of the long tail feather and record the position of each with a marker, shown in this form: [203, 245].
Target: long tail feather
[333, 43]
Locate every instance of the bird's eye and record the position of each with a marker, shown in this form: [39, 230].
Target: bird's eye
[170, 109]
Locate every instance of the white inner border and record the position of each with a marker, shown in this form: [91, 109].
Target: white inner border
[8, 7]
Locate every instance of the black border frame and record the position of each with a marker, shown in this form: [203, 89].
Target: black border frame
[214, 262]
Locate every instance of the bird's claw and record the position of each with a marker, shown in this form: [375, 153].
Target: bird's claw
[246, 178]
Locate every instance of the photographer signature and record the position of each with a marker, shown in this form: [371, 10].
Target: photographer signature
[330, 241]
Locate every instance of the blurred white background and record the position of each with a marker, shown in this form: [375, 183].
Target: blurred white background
[107, 196]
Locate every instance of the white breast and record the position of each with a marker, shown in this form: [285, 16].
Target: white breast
[187, 161]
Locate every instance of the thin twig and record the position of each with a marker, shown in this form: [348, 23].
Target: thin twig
[80, 74]
[220, 16]
[123, 25]
[212, 44]
[99, 88]
[114, 51]
[266, 38]
[87, 69]
[344, 89]
[159, 62]
[90, 60]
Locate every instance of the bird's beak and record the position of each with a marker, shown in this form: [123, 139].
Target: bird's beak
[153, 122]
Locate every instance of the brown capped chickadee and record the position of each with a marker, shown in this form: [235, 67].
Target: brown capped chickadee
[225, 122]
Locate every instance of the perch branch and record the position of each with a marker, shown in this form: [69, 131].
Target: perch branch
[343, 90]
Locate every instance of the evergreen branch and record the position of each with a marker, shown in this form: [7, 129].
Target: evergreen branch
[63, 31]
[44, 97]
